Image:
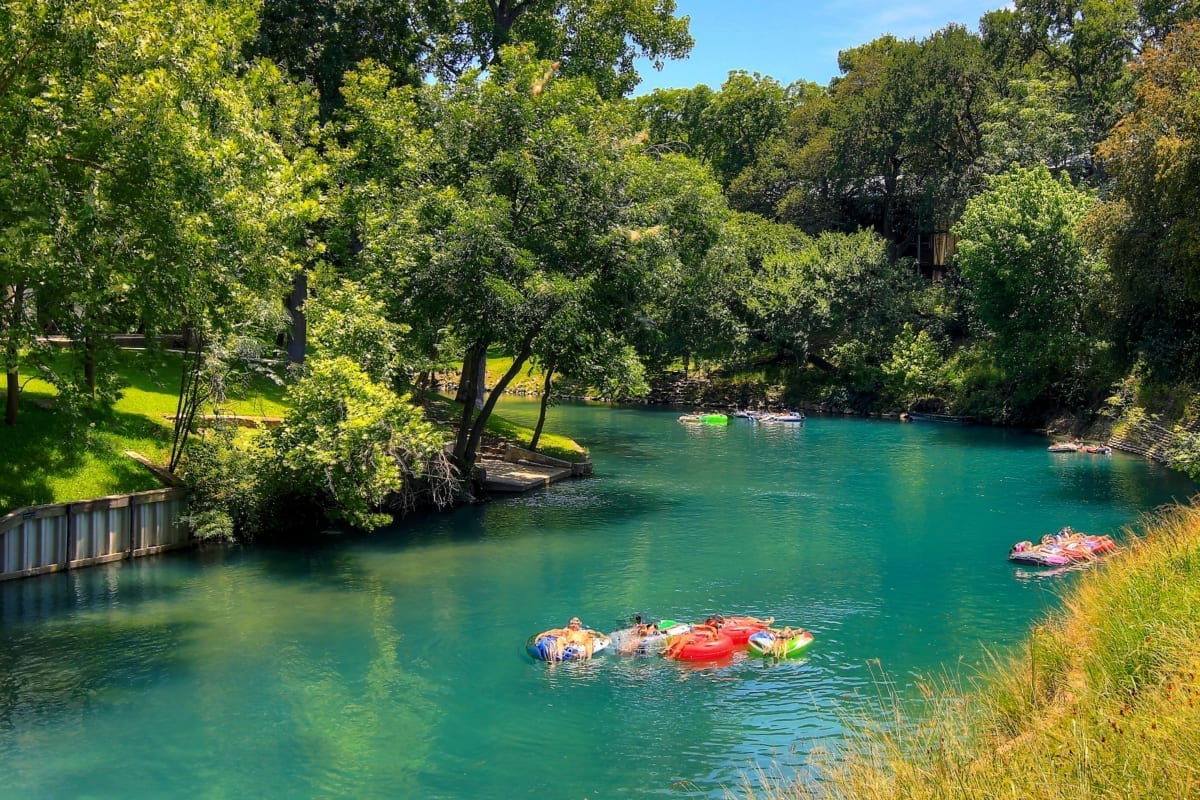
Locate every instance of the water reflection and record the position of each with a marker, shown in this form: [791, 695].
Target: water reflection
[393, 664]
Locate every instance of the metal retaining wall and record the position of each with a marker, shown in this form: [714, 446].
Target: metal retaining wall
[49, 538]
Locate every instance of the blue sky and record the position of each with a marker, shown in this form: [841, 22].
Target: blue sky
[794, 39]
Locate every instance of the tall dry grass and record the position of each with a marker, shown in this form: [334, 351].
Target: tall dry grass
[1102, 702]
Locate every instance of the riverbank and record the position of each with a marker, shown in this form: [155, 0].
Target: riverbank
[1103, 700]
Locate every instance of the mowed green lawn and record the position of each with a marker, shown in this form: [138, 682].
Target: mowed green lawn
[48, 457]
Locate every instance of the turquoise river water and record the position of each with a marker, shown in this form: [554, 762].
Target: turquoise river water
[392, 665]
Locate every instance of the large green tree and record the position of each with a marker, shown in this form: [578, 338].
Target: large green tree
[816, 297]
[1039, 292]
[489, 207]
[167, 182]
[1152, 223]
[318, 41]
[321, 40]
[597, 39]
[893, 144]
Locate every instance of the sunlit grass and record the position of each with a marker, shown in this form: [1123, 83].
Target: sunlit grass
[50, 457]
[1102, 702]
[150, 385]
[530, 379]
[551, 444]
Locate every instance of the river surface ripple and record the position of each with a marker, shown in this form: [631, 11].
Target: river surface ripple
[392, 665]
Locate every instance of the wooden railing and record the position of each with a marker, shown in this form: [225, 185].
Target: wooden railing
[49, 538]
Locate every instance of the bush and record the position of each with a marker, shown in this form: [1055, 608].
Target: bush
[915, 369]
[228, 474]
[351, 442]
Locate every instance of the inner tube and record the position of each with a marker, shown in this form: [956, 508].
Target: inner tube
[772, 644]
[700, 645]
[550, 648]
[740, 629]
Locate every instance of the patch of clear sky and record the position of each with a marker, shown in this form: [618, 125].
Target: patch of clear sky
[792, 40]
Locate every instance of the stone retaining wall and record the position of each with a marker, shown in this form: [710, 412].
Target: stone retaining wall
[1143, 435]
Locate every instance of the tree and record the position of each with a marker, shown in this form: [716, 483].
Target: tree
[492, 206]
[170, 182]
[595, 39]
[816, 295]
[163, 178]
[319, 41]
[1151, 227]
[892, 144]
[1032, 124]
[674, 120]
[1090, 42]
[350, 441]
[1038, 291]
[678, 221]
[748, 111]
[37, 45]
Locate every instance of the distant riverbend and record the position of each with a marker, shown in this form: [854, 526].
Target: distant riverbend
[392, 665]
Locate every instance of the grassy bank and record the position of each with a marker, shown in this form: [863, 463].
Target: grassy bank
[1102, 702]
[53, 457]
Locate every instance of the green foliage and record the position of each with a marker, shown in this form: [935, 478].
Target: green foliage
[165, 183]
[1038, 291]
[826, 292]
[1185, 452]
[350, 441]
[980, 388]
[860, 377]
[345, 321]
[600, 40]
[892, 143]
[687, 242]
[915, 369]
[318, 41]
[58, 458]
[1151, 228]
[228, 474]
[739, 119]
[1033, 124]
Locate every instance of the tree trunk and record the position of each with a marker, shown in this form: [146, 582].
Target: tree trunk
[12, 354]
[191, 397]
[466, 389]
[467, 456]
[480, 379]
[821, 363]
[504, 14]
[537, 432]
[297, 337]
[466, 383]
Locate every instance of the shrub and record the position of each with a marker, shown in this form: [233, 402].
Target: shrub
[228, 475]
[351, 442]
[915, 369]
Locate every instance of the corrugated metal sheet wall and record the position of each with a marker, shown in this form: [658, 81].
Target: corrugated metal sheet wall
[49, 538]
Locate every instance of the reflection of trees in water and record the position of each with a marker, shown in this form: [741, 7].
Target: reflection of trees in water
[368, 735]
[1117, 481]
[349, 725]
[243, 651]
[72, 640]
